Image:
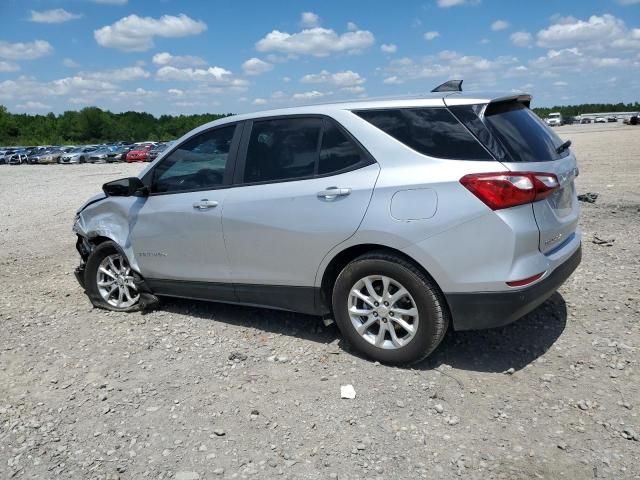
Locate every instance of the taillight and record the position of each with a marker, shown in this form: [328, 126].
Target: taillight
[508, 189]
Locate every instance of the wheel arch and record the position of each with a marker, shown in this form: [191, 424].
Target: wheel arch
[344, 257]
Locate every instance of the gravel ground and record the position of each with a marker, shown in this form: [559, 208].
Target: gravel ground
[197, 390]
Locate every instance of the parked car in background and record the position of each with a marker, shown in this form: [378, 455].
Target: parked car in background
[612, 119]
[585, 120]
[101, 155]
[631, 119]
[600, 120]
[77, 155]
[555, 119]
[139, 154]
[19, 157]
[399, 219]
[118, 153]
[5, 155]
[158, 149]
[53, 155]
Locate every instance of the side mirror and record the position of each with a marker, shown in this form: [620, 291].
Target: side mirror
[125, 187]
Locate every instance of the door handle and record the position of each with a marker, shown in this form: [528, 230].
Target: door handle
[332, 193]
[205, 204]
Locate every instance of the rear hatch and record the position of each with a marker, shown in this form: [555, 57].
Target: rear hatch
[522, 142]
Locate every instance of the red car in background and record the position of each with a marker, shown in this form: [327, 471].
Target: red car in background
[139, 154]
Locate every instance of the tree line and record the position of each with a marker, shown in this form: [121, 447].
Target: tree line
[94, 125]
[576, 110]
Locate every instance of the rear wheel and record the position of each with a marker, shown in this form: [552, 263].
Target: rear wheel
[388, 309]
[109, 280]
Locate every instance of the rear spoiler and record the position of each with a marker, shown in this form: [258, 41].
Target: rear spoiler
[455, 99]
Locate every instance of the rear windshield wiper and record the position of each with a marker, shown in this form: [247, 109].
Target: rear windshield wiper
[563, 147]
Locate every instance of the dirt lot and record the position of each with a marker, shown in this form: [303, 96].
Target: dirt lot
[198, 390]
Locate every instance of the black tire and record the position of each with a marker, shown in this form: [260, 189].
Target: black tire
[90, 277]
[432, 309]
[81, 160]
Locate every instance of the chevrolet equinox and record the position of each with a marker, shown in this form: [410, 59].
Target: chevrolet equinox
[397, 218]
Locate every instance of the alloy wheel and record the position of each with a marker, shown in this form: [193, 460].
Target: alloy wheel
[115, 282]
[383, 312]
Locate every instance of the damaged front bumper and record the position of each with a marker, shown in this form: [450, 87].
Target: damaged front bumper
[84, 248]
[79, 273]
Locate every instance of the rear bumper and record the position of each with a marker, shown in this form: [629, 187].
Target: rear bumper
[476, 311]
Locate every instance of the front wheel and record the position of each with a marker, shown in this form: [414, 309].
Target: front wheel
[109, 280]
[388, 309]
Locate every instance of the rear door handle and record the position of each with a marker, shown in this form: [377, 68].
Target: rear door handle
[205, 204]
[332, 193]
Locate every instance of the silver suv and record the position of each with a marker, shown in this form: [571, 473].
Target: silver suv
[397, 218]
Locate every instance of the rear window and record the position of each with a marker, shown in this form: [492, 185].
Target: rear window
[519, 131]
[431, 131]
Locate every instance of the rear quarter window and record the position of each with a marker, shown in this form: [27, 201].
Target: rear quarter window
[523, 134]
[431, 131]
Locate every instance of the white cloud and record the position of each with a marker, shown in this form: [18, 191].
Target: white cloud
[598, 33]
[352, 27]
[388, 48]
[560, 83]
[309, 19]
[344, 79]
[260, 101]
[312, 95]
[213, 75]
[111, 2]
[355, 90]
[176, 91]
[499, 25]
[165, 58]
[26, 88]
[575, 59]
[317, 41]
[33, 105]
[255, 66]
[628, 2]
[431, 35]
[25, 51]
[70, 63]
[456, 3]
[393, 80]
[57, 15]
[449, 64]
[118, 75]
[135, 34]
[521, 39]
[9, 67]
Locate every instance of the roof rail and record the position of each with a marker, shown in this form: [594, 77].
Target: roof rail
[449, 86]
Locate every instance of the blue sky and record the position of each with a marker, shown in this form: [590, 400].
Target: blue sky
[181, 56]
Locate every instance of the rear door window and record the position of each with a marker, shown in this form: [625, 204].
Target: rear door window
[431, 131]
[282, 149]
